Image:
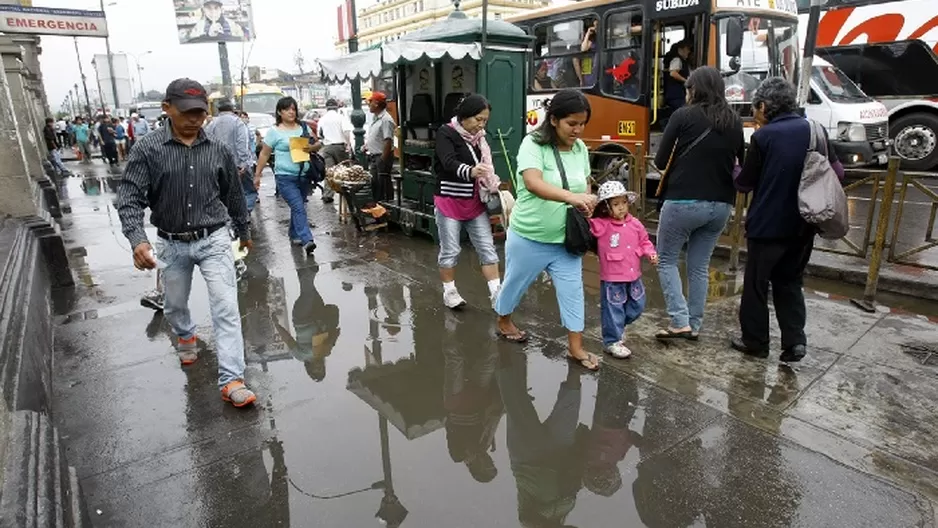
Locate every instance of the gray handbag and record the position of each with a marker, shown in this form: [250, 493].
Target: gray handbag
[822, 201]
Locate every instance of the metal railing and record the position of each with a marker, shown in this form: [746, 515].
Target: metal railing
[870, 238]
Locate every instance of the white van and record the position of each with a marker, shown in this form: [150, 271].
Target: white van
[857, 124]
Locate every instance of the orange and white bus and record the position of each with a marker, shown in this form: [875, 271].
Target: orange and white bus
[888, 47]
[613, 50]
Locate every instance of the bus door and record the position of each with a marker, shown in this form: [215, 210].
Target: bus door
[674, 32]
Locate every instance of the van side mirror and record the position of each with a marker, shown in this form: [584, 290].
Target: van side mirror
[734, 37]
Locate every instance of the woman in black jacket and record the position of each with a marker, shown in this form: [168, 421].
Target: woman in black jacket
[700, 147]
[466, 180]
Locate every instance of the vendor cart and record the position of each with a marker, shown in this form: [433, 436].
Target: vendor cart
[432, 70]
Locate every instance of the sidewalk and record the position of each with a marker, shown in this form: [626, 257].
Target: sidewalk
[847, 438]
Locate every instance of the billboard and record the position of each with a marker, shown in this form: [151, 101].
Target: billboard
[46, 21]
[125, 91]
[214, 21]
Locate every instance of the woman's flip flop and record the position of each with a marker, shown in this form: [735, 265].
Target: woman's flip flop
[590, 362]
[667, 334]
[519, 337]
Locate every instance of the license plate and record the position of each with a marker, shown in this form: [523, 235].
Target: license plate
[626, 128]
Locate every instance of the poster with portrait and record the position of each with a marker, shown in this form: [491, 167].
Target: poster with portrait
[199, 21]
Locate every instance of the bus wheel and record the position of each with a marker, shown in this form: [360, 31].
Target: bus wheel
[611, 166]
[916, 140]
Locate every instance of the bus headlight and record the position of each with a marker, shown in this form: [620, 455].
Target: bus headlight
[851, 131]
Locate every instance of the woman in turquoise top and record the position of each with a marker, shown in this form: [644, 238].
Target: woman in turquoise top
[291, 184]
[538, 220]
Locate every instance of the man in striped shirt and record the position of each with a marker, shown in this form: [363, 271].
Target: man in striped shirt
[191, 185]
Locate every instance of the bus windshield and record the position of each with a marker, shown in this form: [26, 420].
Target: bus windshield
[260, 103]
[769, 48]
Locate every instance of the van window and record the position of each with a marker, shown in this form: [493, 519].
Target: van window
[622, 56]
[565, 54]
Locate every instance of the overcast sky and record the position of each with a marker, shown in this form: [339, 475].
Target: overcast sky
[138, 26]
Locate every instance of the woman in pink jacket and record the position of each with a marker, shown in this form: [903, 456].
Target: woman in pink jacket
[621, 241]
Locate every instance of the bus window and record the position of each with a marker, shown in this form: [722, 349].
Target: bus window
[622, 55]
[564, 55]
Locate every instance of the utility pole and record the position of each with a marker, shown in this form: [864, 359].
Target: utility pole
[358, 115]
[110, 65]
[84, 84]
[225, 68]
[810, 43]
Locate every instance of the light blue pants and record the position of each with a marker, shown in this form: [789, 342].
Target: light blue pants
[215, 260]
[525, 260]
[449, 231]
[698, 224]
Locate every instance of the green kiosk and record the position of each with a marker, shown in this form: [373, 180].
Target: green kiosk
[430, 71]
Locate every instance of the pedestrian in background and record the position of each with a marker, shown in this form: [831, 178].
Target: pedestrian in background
[120, 134]
[83, 138]
[463, 166]
[51, 137]
[191, 185]
[779, 240]
[253, 140]
[701, 145]
[140, 127]
[335, 132]
[537, 230]
[230, 130]
[379, 147]
[69, 133]
[621, 242]
[108, 137]
[290, 183]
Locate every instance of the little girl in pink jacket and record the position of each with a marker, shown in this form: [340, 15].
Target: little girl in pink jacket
[621, 242]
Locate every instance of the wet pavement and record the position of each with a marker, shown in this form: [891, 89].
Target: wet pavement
[378, 405]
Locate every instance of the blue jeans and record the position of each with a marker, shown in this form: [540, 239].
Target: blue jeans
[621, 303]
[699, 225]
[247, 185]
[214, 257]
[525, 260]
[56, 160]
[292, 189]
[480, 234]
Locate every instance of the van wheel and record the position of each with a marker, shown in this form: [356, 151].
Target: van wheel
[915, 139]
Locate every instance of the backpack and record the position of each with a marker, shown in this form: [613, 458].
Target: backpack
[822, 201]
[315, 169]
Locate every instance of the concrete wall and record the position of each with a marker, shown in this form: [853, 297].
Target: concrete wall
[37, 486]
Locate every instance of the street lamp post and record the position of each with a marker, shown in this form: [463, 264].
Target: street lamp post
[137, 57]
[110, 65]
[84, 83]
[358, 115]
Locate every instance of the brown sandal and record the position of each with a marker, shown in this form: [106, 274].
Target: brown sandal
[590, 362]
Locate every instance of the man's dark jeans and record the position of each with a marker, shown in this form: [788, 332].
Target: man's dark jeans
[781, 263]
[109, 152]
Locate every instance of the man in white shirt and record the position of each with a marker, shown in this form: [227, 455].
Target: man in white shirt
[335, 133]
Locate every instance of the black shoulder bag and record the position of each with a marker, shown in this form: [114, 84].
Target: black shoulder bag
[313, 170]
[578, 239]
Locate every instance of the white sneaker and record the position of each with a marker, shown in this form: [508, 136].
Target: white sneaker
[452, 299]
[618, 351]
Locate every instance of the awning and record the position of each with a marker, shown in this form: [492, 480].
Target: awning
[369, 63]
[356, 66]
[403, 52]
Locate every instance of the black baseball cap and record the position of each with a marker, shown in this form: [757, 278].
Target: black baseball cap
[186, 94]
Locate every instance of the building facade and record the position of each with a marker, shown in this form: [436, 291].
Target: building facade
[391, 19]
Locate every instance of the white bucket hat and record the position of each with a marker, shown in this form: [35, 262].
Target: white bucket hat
[614, 189]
